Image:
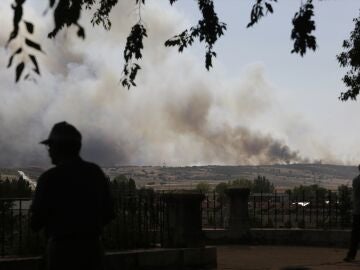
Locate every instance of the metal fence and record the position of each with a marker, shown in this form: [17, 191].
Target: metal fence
[330, 210]
[142, 218]
[141, 222]
[16, 237]
[215, 211]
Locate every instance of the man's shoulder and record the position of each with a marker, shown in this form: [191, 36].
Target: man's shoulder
[356, 180]
[45, 176]
[90, 164]
[91, 167]
[48, 173]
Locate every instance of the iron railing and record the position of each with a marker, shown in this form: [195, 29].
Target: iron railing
[141, 222]
[16, 237]
[330, 210]
[215, 211]
[142, 218]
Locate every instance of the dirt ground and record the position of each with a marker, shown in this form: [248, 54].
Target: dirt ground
[282, 258]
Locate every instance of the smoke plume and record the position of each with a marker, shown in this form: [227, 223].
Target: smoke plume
[179, 113]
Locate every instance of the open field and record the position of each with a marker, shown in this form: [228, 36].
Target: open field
[283, 176]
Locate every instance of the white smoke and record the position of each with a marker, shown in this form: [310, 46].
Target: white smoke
[28, 179]
[179, 113]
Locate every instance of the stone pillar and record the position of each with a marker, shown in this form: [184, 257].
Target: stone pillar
[184, 221]
[239, 224]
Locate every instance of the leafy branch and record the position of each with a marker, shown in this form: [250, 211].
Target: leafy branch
[351, 58]
[133, 49]
[303, 26]
[20, 51]
[208, 30]
[257, 11]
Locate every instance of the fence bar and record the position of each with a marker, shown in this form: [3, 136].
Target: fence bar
[275, 206]
[3, 228]
[282, 209]
[20, 226]
[329, 207]
[336, 210]
[289, 209]
[310, 206]
[303, 208]
[297, 208]
[268, 212]
[261, 212]
[317, 207]
[214, 208]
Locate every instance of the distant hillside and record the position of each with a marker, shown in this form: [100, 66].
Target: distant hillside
[283, 176]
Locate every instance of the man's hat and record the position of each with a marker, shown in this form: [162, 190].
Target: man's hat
[63, 132]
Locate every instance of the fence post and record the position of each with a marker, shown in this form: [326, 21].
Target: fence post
[183, 211]
[239, 223]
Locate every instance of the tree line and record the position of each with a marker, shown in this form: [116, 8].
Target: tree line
[16, 188]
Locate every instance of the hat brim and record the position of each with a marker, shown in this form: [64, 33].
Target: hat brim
[46, 142]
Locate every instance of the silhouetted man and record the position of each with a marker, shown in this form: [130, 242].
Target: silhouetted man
[355, 232]
[72, 203]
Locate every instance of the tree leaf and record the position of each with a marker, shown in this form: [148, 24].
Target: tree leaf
[19, 70]
[269, 7]
[81, 32]
[29, 27]
[13, 55]
[33, 44]
[18, 12]
[52, 3]
[34, 61]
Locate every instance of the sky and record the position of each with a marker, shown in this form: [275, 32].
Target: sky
[260, 104]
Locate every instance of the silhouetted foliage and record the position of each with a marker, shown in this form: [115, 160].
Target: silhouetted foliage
[241, 183]
[307, 192]
[257, 11]
[203, 187]
[351, 58]
[303, 26]
[17, 188]
[30, 44]
[259, 184]
[220, 188]
[208, 30]
[262, 184]
[121, 185]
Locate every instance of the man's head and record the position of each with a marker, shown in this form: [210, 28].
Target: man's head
[64, 142]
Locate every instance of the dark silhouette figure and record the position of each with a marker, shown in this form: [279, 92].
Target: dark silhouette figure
[355, 232]
[72, 203]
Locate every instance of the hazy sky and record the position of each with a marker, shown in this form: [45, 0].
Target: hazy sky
[260, 104]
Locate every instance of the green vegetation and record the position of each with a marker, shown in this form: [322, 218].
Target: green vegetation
[259, 184]
[311, 191]
[123, 185]
[203, 187]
